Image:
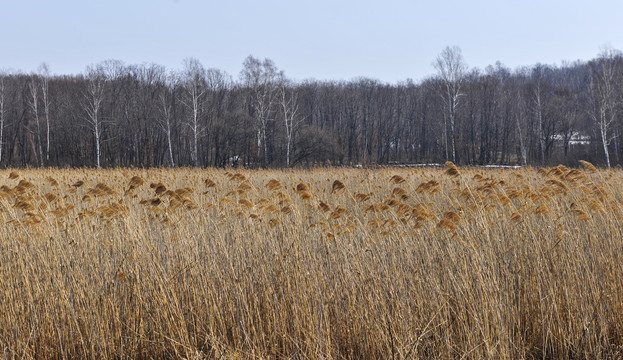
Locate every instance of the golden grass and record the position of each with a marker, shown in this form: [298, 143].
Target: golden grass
[329, 263]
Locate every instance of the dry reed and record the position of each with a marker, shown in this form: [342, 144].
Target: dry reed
[320, 264]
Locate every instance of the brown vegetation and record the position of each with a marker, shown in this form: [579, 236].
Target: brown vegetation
[331, 263]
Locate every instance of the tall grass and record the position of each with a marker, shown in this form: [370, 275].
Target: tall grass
[332, 264]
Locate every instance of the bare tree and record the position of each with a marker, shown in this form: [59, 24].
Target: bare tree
[262, 78]
[603, 96]
[113, 68]
[166, 108]
[34, 107]
[93, 96]
[568, 106]
[218, 84]
[193, 80]
[538, 106]
[520, 116]
[290, 107]
[44, 75]
[451, 68]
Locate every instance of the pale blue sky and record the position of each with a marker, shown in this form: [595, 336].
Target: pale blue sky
[329, 40]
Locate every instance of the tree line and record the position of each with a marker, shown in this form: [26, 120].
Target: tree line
[145, 115]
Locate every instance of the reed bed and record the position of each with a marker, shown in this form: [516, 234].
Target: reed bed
[454, 263]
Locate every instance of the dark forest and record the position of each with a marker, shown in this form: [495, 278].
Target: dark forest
[145, 115]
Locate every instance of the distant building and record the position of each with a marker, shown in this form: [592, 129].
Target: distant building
[575, 139]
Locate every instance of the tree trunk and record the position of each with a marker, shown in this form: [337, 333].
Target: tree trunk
[169, 143]
[288, 151]
[605, 145]
[97, 143]
[195, 146]
[616, 145]
[540, 124]
[445, 137]
[46, 109]
[452, 135]
[522, 146]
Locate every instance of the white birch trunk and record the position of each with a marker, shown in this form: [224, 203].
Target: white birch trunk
[45, 74]
[169, 143]
[290, 110]
[165, 123]
[34, 105]
[46, 109]
[539, 114]
[94, 96]
[96, 132]
[168, 131]
[603, 129]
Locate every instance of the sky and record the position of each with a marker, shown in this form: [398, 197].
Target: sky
[389, 40]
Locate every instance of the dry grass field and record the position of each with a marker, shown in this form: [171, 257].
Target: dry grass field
[450, 263]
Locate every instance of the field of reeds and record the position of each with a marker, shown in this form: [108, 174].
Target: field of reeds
[449, 263]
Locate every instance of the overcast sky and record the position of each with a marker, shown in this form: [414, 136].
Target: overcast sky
[323, 39]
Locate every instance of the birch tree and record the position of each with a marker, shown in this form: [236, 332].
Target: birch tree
[193, 81]
[44, 74]
[93, 97]
[167, 98]
[261, 77]
[520, 117]
[451, 69]
[288, 101]
[537, 106]
[603, 96]
[34, 107]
